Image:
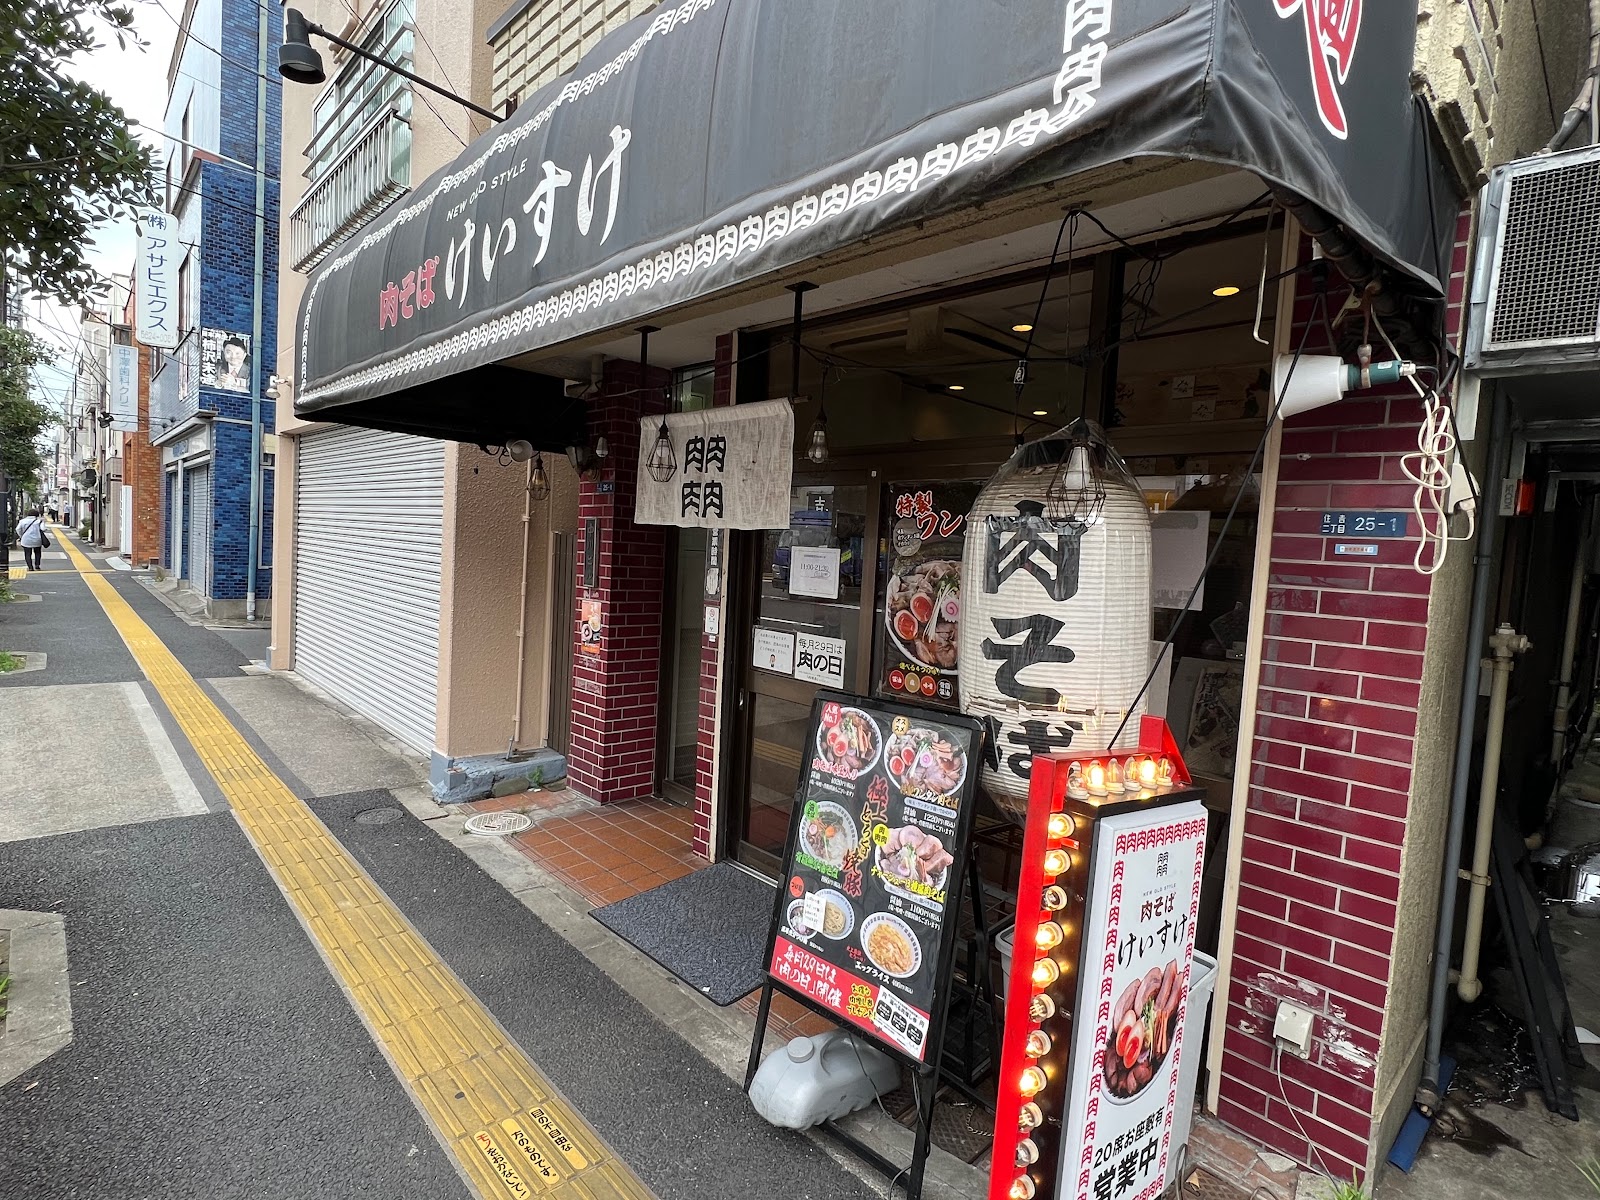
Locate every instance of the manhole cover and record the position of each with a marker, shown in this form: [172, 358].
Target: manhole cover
[498, 824]
[378, 816]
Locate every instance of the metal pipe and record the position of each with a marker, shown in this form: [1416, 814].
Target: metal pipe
[1569, 652]
[253, 538]
[1584, 102]
[1477, 621]
[522, 612]
[1504, 645]
[494, 117]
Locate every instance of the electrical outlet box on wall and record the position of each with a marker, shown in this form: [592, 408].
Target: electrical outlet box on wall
[1292, 1029]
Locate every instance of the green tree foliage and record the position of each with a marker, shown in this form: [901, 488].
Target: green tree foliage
[68, 160]
[22, 419]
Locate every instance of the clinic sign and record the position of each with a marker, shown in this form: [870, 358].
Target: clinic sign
[155, 280]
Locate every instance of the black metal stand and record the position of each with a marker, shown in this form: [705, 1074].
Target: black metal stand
[931, 1075]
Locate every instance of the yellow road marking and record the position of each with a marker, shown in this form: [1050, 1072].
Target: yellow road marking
[465, 1073]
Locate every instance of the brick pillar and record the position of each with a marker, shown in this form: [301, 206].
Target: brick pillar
[141, 471]
[1340, 842]
[616, 693]
[706, 742]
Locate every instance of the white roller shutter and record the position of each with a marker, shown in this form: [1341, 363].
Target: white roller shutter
[198, 560]
[369, 530]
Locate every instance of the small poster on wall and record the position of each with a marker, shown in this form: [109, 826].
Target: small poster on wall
[922, 607]
[819, 659]
[591, 629]
[774, 651]
[225, 359]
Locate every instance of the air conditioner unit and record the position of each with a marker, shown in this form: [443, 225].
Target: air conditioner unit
[1536, 287]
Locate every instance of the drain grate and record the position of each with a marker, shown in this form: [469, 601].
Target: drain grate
[960, 1127]
[498, 824]
[378, 816]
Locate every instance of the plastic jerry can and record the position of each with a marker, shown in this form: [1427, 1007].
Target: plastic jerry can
[823, 1078]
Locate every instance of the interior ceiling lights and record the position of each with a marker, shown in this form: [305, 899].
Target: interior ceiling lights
[1225, 291]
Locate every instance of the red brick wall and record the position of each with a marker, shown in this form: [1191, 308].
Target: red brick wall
[706, 750]
[1330, 777]
[141, 471]
[616, 693]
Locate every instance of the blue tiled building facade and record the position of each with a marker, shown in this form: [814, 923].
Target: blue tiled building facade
[201, 396]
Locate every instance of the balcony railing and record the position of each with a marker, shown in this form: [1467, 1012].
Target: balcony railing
[366, 177]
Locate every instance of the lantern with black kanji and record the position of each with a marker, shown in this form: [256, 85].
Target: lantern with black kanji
[1055, 641]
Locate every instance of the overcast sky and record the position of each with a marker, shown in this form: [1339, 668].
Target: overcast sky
[136, 79]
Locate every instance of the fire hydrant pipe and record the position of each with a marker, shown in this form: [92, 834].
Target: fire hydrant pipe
[1504, 645]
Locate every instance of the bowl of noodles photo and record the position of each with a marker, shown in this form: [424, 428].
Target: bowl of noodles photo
[828, 834]
[923, 613]
[851, 746]
[925, 763]
[891, 946]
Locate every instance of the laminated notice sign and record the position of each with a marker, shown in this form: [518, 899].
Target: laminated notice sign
[867, 913]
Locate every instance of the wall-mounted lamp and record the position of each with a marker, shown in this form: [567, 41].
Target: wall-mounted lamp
[520, 450]
[276, 384]
[1318, 379]
[300, 62]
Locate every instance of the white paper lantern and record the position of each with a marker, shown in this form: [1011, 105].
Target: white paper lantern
[1055, 636]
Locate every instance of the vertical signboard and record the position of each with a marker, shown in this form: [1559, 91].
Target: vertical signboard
[867, 916]
[922, 602]
[1143, 899]
[123, 399]
[155, 280]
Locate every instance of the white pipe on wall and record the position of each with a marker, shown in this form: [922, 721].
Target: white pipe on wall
[522, 611]
[1504, 645]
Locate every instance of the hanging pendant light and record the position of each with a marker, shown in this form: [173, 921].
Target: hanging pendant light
[663, 461]
[817, 450]
[1078, 490]
[538, 481]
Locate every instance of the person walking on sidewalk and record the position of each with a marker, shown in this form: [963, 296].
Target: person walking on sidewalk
[30, 532]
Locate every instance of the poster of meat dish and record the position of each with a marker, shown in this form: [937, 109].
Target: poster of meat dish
[922, 598]
[872, 874]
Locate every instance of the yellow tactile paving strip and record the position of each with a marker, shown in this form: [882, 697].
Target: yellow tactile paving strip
[509, 1129]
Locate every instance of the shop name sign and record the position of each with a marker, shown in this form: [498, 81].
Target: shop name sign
[155, 280]
[553, 228]
[731, 468]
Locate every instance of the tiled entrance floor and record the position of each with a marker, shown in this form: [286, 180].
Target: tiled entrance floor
[608, 852]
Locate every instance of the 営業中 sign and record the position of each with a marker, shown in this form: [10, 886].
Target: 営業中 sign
[1143, 900]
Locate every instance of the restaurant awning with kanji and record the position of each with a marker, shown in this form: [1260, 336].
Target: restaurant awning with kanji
[713, 142]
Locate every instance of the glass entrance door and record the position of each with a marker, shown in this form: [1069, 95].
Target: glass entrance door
[806, 585]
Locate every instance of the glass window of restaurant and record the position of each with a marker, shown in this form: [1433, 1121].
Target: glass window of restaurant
[921, 410]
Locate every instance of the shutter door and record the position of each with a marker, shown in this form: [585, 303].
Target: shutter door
[369, 530]
[199, 550]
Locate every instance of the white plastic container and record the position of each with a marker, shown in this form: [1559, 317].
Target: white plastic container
[1003, 942]
[823, 1078]
[1196, 1014]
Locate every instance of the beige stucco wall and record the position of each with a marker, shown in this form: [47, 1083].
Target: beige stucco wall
[548, 37]
[1487, 80]
[483, 540]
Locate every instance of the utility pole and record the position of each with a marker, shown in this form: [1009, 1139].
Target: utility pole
[254, 540]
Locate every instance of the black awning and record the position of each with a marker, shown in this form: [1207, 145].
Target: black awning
[715, 141]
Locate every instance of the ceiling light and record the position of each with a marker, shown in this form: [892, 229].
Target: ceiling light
[1023, 328]
[1225, 291]
[958, 387]
[1041, 412]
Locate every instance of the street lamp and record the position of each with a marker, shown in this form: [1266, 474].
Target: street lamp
[300, 62]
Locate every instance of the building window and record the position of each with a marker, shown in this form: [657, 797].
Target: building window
[359, 156]
[694, 388]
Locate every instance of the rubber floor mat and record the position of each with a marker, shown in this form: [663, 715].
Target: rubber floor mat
[708, 928]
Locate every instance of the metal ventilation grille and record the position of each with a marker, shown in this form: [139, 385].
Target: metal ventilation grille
[1547, 287]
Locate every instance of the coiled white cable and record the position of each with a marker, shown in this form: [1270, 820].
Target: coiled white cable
[1430, 468]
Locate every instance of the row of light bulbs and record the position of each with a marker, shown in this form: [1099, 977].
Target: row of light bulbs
[1136, 773]
[1046, 974]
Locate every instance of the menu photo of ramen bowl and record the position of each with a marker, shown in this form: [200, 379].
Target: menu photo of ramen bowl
[828, 833]
[851, 745]
[924, 763]
[890, 945]
[913, 862]
[1144, 1023]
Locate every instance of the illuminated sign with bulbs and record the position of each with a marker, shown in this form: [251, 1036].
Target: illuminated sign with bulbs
[1106, 902]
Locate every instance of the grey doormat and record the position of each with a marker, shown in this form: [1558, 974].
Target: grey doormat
[708, 928]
